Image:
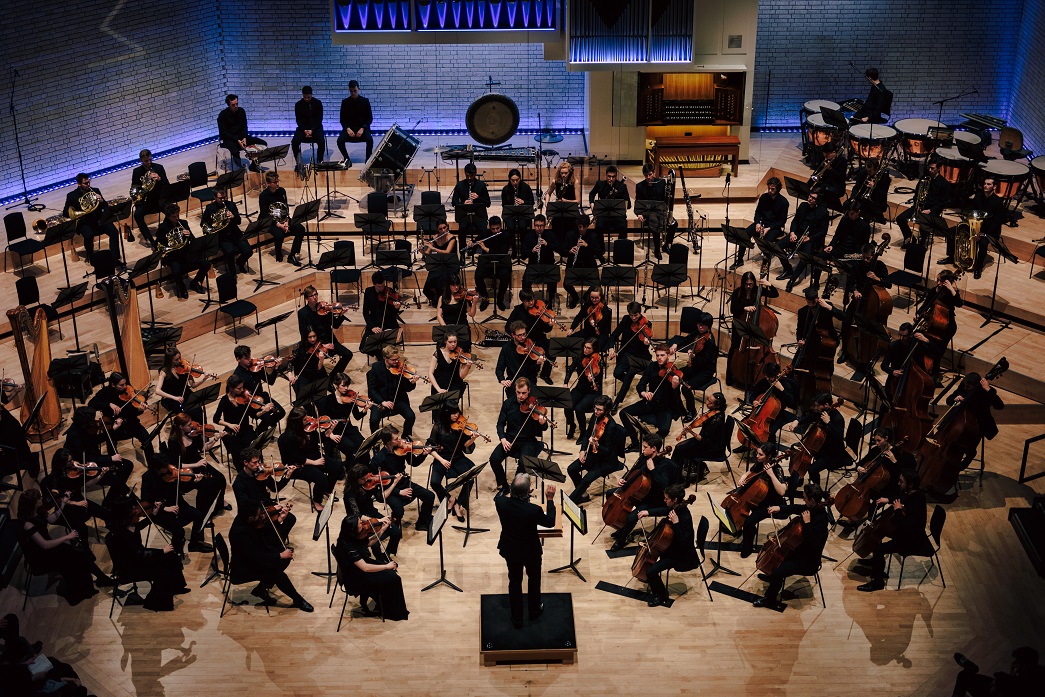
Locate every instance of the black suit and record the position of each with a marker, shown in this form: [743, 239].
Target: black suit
[89, 225]
[681, 554]
[521, 548]
[600, 464]
[152, 201]
[938, 196]
[355, 114]
[232, 128]
[383, 386]
[471, 217]
[309, 117]
[655, 222]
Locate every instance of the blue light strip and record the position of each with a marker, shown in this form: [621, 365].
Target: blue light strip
[483, 15]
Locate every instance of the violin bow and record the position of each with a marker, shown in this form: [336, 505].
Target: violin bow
[61, 513]
[152, 523]
[275, 486]
[188, 376]
[246, 409]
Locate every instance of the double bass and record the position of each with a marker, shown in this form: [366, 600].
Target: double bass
[637, 485]
[814, 362]
[749, 358]
[853, 501]
[766, 410]
[876, 304]
[812, 440]
[656, 544]
[936, 321]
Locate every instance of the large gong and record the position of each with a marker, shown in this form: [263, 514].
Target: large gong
[492, 119]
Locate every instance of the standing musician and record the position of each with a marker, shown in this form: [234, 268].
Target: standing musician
[162, 488]
[832, 454]
[878, 100]
[662, 473]
[178, 258]
[232, 415]
[174, 386]
[401, 491]
[681, 554]
[255, 375]
[232, 132]
[442, 242]
[909, 535]
[381, 307]
[808, 232]
[189, 448]
[742, 307]
[824, 319]
[303, 450]
[308, 114]
[450, 450]
[632, 337]
[83, 440]
[773, 474]
[359, 499]
[979, 397]
[391, 392]
[455, 306]
[770, 218]
[341, 442]
[262, 556]
[520, 545]
[470, 200]
[603, 449]
[805, 558]
[538, 249]
[594, 319]
[112, 401]
[536, 324]
[583, 248]
[711, 441]
[253, 490]
[877, 199]
[499, 242]
[785, 388]
[323, 326]
[652, 189]
[516, 360]
[610, 190]
[703, 359]
[88, 224]
[160, 566]
[936, 199]
[658, 403]
[563, 189]
[307, 364]
[588, 387]
[374, 579]
[68, 484]
[234, 248]
[356, 118]
[864, 275]
[986, 200]
[279, 226]
[519, 431]
[446, 370]
[150, 200]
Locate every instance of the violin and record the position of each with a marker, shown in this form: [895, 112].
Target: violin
[656, 544]
[133, 397]
[194, 371]
[669, 370]
[321, 424]
[388, 295]
[594, 316]
[528, 348]
[460, 423]
[196, 428]
[271, 516]
[466, 358]
[255, 401]
[468, 294]
[325, 308]
[697, 423]
[598, 432]
[276, 469]
[541, 311]
[74, 469]
[591, 368]
[369, 527]
[408, 372]
[173, 474]
[266, 363]
[371, 481]
[535, 410]
[354, 398]
[411, 447]
[643, 329]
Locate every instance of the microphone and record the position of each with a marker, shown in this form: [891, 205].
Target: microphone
[14, 71]
[729, 175]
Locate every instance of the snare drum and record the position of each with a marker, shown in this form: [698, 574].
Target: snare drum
[914, 136]
[253, 151]
[954, 167]
[814, 106]
[870, 141]
[1037, 166]
[820, 133]
[1009, 177]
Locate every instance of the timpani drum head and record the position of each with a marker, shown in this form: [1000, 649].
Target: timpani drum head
[816, 105]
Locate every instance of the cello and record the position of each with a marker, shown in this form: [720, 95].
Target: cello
[814, 362]
[747, 361]
[637, 485]
[853, 501]
[779, 544]
[766, 410]
[656, 544]
[909, 416]
[880, 527]
[876, 304]
[740, 502]
[812, 440]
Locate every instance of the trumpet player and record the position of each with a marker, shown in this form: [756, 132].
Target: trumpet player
[147, 183]
[88, 207]
[274, 207]
[174, 235]
[222, 217]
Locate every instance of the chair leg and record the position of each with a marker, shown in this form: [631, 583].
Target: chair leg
[215, 330]
[28, 579]
[821, 587]
[899, 581]
[936, 557]
[224, 602]
[343, 606]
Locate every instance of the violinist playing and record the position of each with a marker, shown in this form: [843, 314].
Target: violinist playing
[774, 476]
[303, 451]
[804, 560]
[253, 490]
[310, 319]
[864, 275]
[662, 472]
[709, 442]
[602, 450]
[391, 391]
[537, 324]
[450, 448]
[497, 242]
[594, 319]
[909, 535]
[519, 358]
[123, 413]
[588, 370]
[374, 579]
[446, 370]
[442, 242]
[256, 374]
[160, 566]
[455, 306]
[381, 308]
[583, 249]
[188, 444]
[175, 383]
[161, 488]
[401, 491]
[360, 499]
[519, 427]
[343, 405]
[632, 337]
[742, 307]
[84, 439]
[231, 414]
[658, 403]
[520, 545]
[262, 556]
[681, 554]
[703, 359]
[832, 454]
[67, 482]
[308, 363]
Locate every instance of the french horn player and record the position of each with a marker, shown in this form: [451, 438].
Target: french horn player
[86, 205]
[148, 180]
[173, 237]
[273, 204]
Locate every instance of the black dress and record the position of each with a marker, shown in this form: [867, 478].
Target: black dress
[384, 585]
[135, 562]
[73, 564]
[447, 373]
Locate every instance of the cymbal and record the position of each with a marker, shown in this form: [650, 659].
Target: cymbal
[548, 137]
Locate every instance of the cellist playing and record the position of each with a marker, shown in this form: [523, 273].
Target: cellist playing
[777, 488]
[908, 537]
[785, 388]
[865, 274]
[600, 456]
[681, 554]
[832, 454]
[805, 559]
[662, 473]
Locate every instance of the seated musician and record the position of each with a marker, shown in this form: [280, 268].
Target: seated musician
[160, 566]
[112, 402]
[303, 450]
[442, 242]
[455, 306]
[190, 448]
[876, 200]
[324, 326]
[255, 378]
[450, 450]
[172, 511]
[445, 371]
[979, 398]
[770, 218]
[516, 192]
[498, 242]
[538, 249]
[232, 416]
[84, 439]
[946, 298]
[151, 202]
[832, 182]
[279, 227]
[832, 454]
[470, 199]
[391, 392]
[808, 232]
[516, 361]
[610, 190]
[937, 198]
[594, 319]
[360, 500]
[235, 250]
[536, 327]
[68, 484]
[89, 225]
[681, 554]
[909, 535]
[356, 117]
[805, 559]
[180, 259]
[253, 490]
[173, 387]
[15, 444]
[824, 321]
[864, 276]
[894, 360]
[703, 359]
[232, 132]
[662, 473]
[785, 389]
[773, 474]
[878, 100]
[402, 490]
[373, 578]
[519, 431]
[710, 442]
[851, 236]
[584, 249]
[658, 397]
[308, 115]
[260, 555]
[588, 387]
[307, 365]
[893, 458]
[380, 308]
[742, 307]
[652, 188]
[341, 442]
[599, 456]
[986, 200]
[626, 341]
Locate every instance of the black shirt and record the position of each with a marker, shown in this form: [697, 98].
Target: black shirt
[664, 395]
[230, 232]
[511, 421]
[646, 191]
[850, 236]
[939, 195]
[356, 113]
[511, 365]
[136, 180]
[72, 200]
[604, 191]
[536, 327]
[323, 326]
[519, 521]
[625, 336]
[383, 386]
[682, 551]
[588, 327]
[522, 192]
[309, 115]
[815, 218]
[232, 125]
[462, 190]
[824, 320]
[266, 198]
[377, 313]
[814, 534]
[834, 442]
[771, 211]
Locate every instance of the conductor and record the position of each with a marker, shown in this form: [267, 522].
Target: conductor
[520, 546]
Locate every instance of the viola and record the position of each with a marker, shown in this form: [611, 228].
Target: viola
[196, 428]
[594, 316]
[74, 469]
[541, 311]
[276, 469]
[132, 397]
[266, 363]
[598, 432]
[194, 371]
[369, 527]
[669, 370]
[411, 447]
[656, 544]
[637, 485]
[325, 308]
[371, 481]
[460, 423]
[321, 424]
[644, 329]
[466, 358]
[812, 440]
[697, 423]
[468, 294]
[535, 410]
[388, 295]
[853, 501]
[352, 397]
[173, 474]
[528, 348]
[255, 401]
[408, 372]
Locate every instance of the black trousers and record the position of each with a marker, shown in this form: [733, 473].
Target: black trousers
[504, 282]
[439, 474]
[789, 567]
[583, 403]
[626, 376]
[903, 221]
[297, 231]
[656, 586]
[140, 211]
[532, 566]
[89, 231]
[398, 502]
[180, 270]
[317, 137]
[399, 407]
[345, 138]
[522, 447]
[826, 462]
[235, 252]
[652, 413]
[277, 576]
[582, 475]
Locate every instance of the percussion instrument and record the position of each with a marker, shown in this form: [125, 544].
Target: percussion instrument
[393, 154]
[1037, 166]
[253, 151]
[820, 132]
[1009, 176]
[815, 105]
[954, 167]
[914, 136]
[870, 141]
[969, 137]
[492, 119]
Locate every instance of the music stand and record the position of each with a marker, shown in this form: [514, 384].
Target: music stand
[428, 216]
[302, 214]
[373, 343]
[487, 266]
[936, 225]
[736, 236]
[517, 219]
[609, 213]
[556, 397]
[114, 215]
[141, 268]
[438, 400]
[614, 276]
[563, 209]
[669, 276]
[60, 233]
[770, 250]
[435, 532]
[750, 331]
[579, 276]
[323, 528]
[543, 469]
[273, 155]
[371, 225]
[543, 273]
[273, 322]
[232, 179]
[578, 518]
[796, 188]
[724, 523]
[462, 331]
[368, 443]
[445, 264]
[256, 228]
[1003, 252]
[816, 262]
[69, 296]
[202, 397]
[457, 483]
[204, 248]
[311, 392]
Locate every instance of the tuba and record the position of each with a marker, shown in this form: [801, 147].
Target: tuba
[219, 220]
[89, 203]
[965, 235]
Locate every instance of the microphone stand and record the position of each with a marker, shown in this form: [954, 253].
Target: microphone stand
[26, 201]
[943, 101]
[539, 198]
[725, 272]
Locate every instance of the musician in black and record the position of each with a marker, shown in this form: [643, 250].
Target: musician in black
[180, 261]
[808, 232]
[742, 307]
[895, 357]
[770, 218]
[261, 556]
[563, 189]
[762, 465]
[652, 189]
[832, 454]
[497, 241]
[536, 326]
[610, 190]
[150, 203]
[89, 225]
[583, 248]
[380, 308]
[84, 439]
[627, 340]
[160, 566]
[805, 558]
[360, 499]
[112, 401]
[863, 277]
[356, 118]
[658, 398]
[444, 370]
[441, 242]
[230, 414]
[538, 249]
[681, 554]
[456, 306]
[587, 387]
[188, 446]
[852, 233]
[986, 200]
[307, 366]
[709, 442]
[279, 226]
[303, 450]
[324, 326]
[876, 200]
[68, 484]
[341, 442]
[891, 457]
[235, 249]
[946, 294]
[662, 473]
[450, 450]
[519, 431]
[391, 393]
[832, 182]
[785, 389]
[520, 544]
[936, 199]
[594, 319]
[805, 329]
[174, 386]
[308, 114]
[516, 192]
[978, 397]
[402, 490]
[253, 489]
[470, 200]
[599, 457]
[174, 512]
[703, 360]
[515, 360]
[253, 375]
[14, 444]
[372, 578]
[232, 132]
[878, 101]
[908, 536]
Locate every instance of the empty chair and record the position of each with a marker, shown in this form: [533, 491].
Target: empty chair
[229, 302]
[28, 293]
[17, 242]
[198, 177]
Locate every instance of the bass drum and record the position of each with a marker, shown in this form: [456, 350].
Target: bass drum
[492, 119]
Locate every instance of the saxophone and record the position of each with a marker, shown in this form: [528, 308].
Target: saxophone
[219, 220]
[965, 235]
